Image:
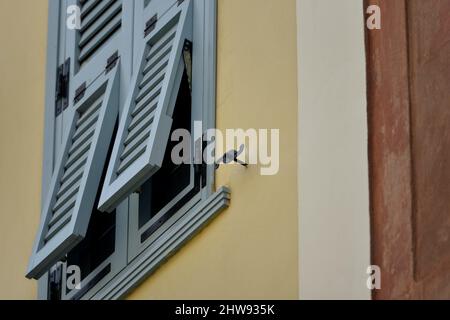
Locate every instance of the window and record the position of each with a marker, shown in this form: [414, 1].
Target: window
[170, 188]
[168, 182]
[147, 117]
[117, 205]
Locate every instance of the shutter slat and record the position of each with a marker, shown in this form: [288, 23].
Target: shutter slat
[87, 6]
[61, 223]
[66, 196]
[130, 159]
[91, 17]
[103, 23]
[86, 125]
[78, 154]
[139, 140]
[92, 45]
[148, 111]
[158, 79]
[167, 37]
[67, 207]
[156, 59]
[68, 183]
[60, 214]
[138, 129]
[72, 169]
[86, 138]
[149, 98]
[158, 69]
[157, 53]
[88, 113]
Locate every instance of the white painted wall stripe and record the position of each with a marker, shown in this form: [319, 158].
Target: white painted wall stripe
[334, 230]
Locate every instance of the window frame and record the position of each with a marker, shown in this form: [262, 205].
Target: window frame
[135, 245]
[194, 215]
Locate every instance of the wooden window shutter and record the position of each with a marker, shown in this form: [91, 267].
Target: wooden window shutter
[100, 21]
[76, 179]
[106, 27]
[146, 121]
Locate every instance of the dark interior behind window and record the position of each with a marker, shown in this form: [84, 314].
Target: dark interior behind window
[171, 179]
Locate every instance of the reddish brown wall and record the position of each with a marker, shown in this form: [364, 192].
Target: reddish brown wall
[408, 64]
[429, 57]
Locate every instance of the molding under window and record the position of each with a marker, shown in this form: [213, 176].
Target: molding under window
[165, 246]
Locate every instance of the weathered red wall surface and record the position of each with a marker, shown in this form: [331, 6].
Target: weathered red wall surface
[429, 54]
[408, 64]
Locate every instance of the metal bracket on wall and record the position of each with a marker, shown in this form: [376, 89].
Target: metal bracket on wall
[187, 57]
[232, 156]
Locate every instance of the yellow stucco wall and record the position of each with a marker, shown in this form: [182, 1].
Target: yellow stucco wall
[251, 250]
[23, 30]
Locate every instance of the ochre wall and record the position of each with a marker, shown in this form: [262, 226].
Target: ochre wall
[23, 30]
[251, 249]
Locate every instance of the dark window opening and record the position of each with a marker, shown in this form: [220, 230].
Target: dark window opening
[89, 254]
[97, 246]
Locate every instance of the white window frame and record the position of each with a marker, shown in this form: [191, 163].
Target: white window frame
[194, 215]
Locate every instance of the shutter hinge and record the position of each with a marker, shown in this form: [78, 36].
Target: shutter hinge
[79, 93]
[55, 282]
[111, 62]
[150, 25]
[62, 87]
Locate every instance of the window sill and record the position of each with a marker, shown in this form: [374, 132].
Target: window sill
[165, 246]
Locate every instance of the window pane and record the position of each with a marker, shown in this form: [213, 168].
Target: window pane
[171, 179]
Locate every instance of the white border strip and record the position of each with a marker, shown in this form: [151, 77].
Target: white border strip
[334, 225]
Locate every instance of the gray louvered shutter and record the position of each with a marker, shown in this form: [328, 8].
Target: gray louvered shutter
[100, 21]
[77, 175]
[106, 29]
[146, 121]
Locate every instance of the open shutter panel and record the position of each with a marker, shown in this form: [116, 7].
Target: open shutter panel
[146, 122]
[100, 21]
[66, 212]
